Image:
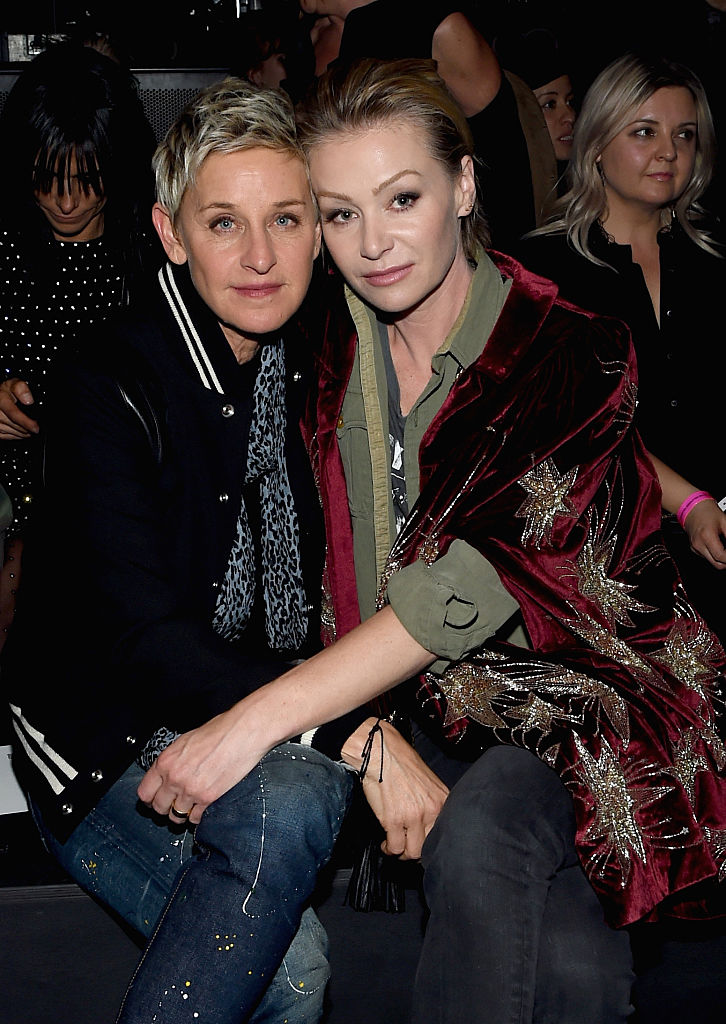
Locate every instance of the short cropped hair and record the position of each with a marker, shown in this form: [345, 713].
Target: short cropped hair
[374, 93]
[607, 108]
[226, 117]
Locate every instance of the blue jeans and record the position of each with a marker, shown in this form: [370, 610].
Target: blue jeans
[222, 907]
[516, 934]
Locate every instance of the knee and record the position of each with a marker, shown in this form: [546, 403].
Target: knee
[294, 791]
[509, 807]
[305, 786]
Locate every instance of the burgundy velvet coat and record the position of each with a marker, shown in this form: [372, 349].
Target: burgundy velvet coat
[620, 690]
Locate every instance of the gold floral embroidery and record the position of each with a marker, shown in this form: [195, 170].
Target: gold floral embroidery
[535, 714]
[626, 412]
[618, 796]
[687, 762]
[471, 692]
[551, 754]
[716, 746]
[546, 498]
[429, 550]
[716, 839]
[612, 597]
[328, 629]
[524, 693]
[690, 652]
[392, 566]
[605, 642]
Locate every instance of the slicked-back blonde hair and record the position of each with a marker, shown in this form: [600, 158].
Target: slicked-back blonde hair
[607, 108]
[227, 116]
[374, 93]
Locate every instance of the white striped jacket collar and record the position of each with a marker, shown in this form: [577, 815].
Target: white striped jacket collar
[194, 344]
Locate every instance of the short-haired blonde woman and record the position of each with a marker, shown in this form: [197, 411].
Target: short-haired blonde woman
[630, 239]
[196, 539]
[493, 544]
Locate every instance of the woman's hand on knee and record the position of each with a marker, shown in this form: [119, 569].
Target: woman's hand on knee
[405, 795]
[198, 768]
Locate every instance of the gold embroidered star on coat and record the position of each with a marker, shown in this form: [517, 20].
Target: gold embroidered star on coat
[604, 640]
[716, 839]
[531, 693]
[715, 744]
[471, 691]
[536, 714]
[687, 762]
[546, 498]
[616, 805]
[689, 654]
[612, 597]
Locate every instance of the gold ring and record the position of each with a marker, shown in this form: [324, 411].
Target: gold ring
[177, 813]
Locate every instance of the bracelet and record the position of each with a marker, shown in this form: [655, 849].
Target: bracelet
[368, 750]
[691, 501]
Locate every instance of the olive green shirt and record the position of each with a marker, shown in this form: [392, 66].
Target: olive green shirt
[456, 604]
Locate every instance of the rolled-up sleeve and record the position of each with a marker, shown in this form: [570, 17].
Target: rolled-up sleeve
[453, 606]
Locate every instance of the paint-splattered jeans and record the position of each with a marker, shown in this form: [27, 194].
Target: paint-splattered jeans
[228, 900]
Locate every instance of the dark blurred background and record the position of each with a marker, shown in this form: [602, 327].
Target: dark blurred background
[176, 34]
[185, 33]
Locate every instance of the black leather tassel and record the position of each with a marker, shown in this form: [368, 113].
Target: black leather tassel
[375, 880]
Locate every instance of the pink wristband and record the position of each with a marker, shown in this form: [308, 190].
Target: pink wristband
[691, 501]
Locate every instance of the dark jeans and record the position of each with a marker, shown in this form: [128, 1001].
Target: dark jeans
[228, 900]
[516, 934]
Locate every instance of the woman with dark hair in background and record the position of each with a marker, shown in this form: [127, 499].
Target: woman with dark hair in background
[74, 240]
[630, 239]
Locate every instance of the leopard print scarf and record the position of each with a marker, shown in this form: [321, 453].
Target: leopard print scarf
[283, 595]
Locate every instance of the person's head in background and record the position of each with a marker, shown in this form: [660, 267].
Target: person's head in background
[537, 58]
[557, 102]
[644, 145]
[234, 204]
[260, 49]
[81, 148]
[272, 49]
[108, 31]
[332, 8]
[391, 162]
[324, 21]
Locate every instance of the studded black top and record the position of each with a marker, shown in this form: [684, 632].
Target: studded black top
[41, 315]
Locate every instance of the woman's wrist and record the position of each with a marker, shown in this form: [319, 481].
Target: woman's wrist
[259, 721]
[687, 506]
[352, 751]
